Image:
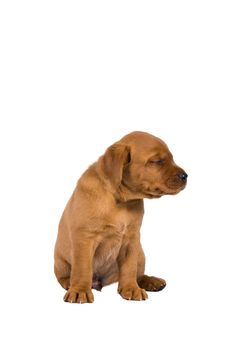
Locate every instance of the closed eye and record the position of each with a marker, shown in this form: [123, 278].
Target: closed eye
[157, 161]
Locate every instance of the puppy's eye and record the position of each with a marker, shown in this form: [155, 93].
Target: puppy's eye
[157, 161]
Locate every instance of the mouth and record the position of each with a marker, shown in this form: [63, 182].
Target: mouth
[158, 192]
[155, 193]
[175, 191]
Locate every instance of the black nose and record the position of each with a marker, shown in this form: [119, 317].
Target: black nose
[183, 176]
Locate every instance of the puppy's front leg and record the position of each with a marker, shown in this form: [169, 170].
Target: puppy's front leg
[81, 272]
[127, 263]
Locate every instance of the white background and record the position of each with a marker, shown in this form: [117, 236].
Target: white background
[75, 77]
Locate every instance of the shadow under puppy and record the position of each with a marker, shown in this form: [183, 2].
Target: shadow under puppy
[98, 239]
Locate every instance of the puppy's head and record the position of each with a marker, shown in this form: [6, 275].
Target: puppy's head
[142, 165]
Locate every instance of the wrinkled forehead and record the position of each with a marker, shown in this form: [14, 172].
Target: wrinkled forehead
[146, 146]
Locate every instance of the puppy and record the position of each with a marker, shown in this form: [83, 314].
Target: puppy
[98, 239]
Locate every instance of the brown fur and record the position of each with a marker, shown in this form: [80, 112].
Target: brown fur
[98, 240]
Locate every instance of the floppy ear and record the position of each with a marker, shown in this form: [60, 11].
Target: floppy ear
[113, 162]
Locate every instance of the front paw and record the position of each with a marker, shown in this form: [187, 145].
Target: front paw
[132, 293]
[81, 296]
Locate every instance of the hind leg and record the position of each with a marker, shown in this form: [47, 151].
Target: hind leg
[62, 271]
[149, 283]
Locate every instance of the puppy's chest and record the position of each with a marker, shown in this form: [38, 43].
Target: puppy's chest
[118, 228]
[119, 222]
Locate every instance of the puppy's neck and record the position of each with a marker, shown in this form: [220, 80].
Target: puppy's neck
[125, 194]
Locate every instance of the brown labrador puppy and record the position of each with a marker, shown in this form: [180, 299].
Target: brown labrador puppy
[98, 241]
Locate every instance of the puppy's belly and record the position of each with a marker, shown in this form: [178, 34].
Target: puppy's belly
[105, 257]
